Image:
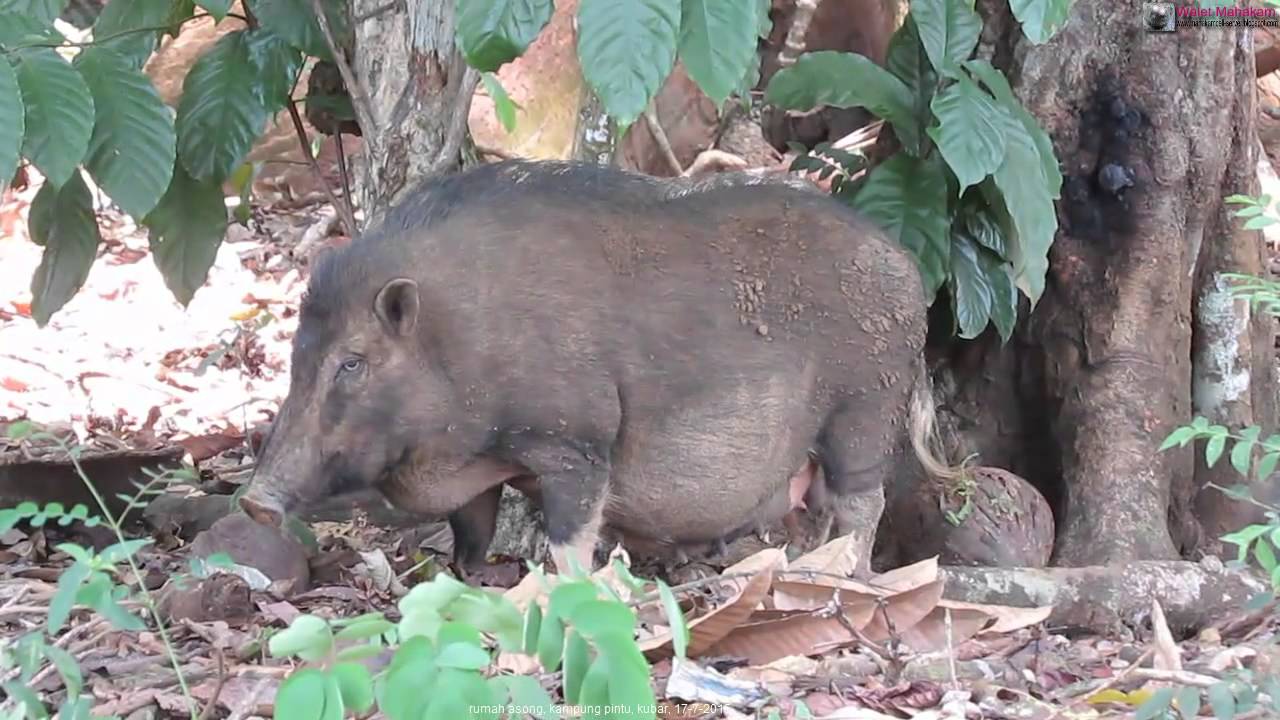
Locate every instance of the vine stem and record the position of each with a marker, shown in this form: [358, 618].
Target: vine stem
[149, 603]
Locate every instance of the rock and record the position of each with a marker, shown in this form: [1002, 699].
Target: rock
[186, 516]
[281, 558]
[223, 596]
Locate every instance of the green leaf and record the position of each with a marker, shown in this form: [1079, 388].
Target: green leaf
[1041, 19]
[64, 598]
[131, 151]
[276, 64]
[995, 81]
[365, 628]
[67, 667]
[564, 598]
[1213, 449]
[907, 198]
[448, 701]
[355, 684]
[1241, 455]
[1188, 699]
[220, 114]
[1266, 555]
[1026, 197]
[627, 50]
[45, 11]
[1222, 701]
[63, 221]
[1156, 705]
[59, 113]
[576, 658]
[27, 697]
[305, 695]
[949, 31]
[532, 628]
[492, 33]
[12, 123]
[412, 670]
[717, 43]
[675, 619]
[217, 8]
[594, 618]
[1004, 296]
[433, 595]
[594, 693]
[131, 28]
[503, 108]
[1238, 199]
[308, 637]
[122, 550]
[969, 132]
[23, 31]
[1177, 437]
[295, 22]
[1262, 221]
[630, 688]
[185, 230]
[462, 656]
[907, 60]
[970, 289]
[528, 693]
[846, 80]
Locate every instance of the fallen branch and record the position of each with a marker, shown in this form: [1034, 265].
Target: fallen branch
[1101, 598]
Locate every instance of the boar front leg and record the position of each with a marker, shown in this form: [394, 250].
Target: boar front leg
[574, 486]
[473, 528]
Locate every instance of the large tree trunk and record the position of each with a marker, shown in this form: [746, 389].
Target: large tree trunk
[1134, 333]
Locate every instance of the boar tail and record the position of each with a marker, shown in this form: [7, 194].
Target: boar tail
[923, 429]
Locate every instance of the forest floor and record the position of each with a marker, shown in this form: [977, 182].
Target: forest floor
[124, 369]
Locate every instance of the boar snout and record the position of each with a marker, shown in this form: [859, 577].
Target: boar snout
[263, 505]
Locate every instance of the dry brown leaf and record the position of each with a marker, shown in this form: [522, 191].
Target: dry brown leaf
[797, 633]
[835, 558]
[811, 596]
[854, 712]
[903, 611]
[747, 592]
[930, 634]
[908, 577]
[529, 589]
[1008, 618]
[517, 663]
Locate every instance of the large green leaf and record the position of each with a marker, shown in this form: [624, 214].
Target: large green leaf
[999, 86]
[130, 27]
[20, 30]
[131, 152]
[62, 220]
[717, 43]
[949, 30]
[492, 33]
[1041, 19]
[907, 197]
[295, 21]
[59, 113]
[970, 289]
[43, 10]
[277, 64]
[186, 229]
[908, 62]
[220, 114]
[1004, 296]
[627, 49]
[846, 80]
[12, 122]
[969, 132]
[217, 8]
[1026, 198]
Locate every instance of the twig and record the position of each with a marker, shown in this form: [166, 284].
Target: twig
[448, 154]
[345, 177]
[61, 642]
[359, 100]
[1182, 677]
[1115, 680]
[794, 45]
[343, 208]
[660, 137]
[951, 651]
[207, 712]
[19, 610]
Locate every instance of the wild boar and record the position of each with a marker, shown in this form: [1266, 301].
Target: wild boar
[654, 359]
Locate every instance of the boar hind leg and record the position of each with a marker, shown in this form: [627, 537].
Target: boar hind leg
[473, 527]
[857, 457]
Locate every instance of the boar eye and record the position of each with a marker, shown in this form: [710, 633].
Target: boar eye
[352, 364]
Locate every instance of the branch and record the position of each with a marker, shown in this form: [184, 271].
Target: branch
[359, 100]
[343, 208]
[457, 130]
[794, 45]
[660, 137]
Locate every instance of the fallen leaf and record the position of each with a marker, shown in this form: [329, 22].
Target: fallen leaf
[835, 558]
[907, 577]
[1167, 655]
[13, 384]
[797, 633]
[931, 633]
[902, 611]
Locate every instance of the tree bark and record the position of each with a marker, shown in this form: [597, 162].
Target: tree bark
[1107, 358]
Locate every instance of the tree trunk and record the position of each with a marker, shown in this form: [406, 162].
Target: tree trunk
[1133, 334]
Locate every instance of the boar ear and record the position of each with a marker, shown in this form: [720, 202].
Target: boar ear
[397, 306]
